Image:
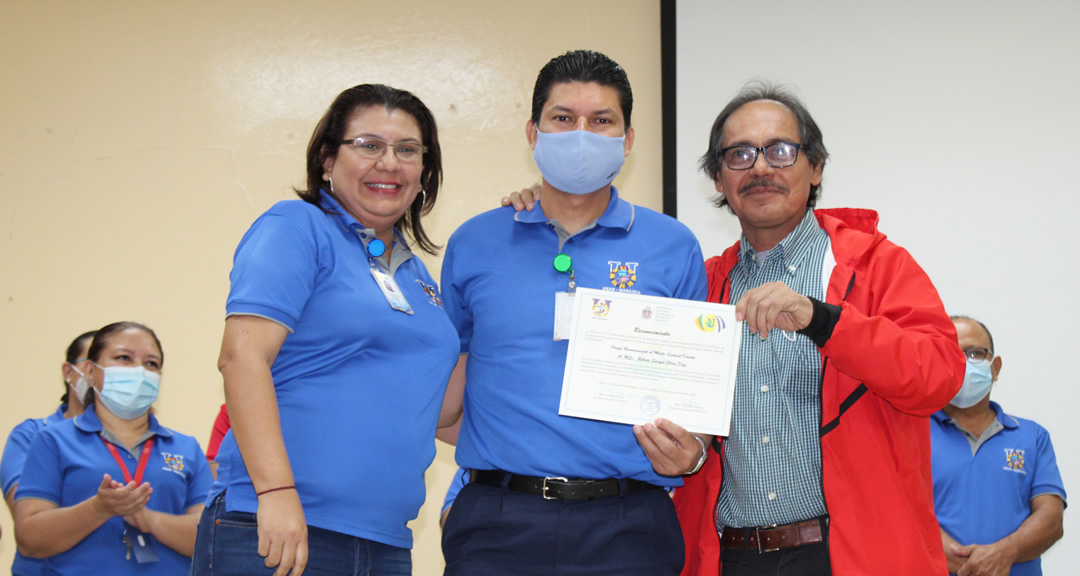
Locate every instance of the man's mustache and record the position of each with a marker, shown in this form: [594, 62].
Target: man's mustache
[762, 183]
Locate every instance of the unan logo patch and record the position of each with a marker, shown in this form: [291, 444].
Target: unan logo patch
[175, 462]
[432, 293]
[1014, 460]
[622, 275]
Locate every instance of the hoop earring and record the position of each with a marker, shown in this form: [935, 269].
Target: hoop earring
[330, 179]
[423, 198]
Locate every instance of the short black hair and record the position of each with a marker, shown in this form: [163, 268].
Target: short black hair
[582, 66]
[812, 145]
[969, 318]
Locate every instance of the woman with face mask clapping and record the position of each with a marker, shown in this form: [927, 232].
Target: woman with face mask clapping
[111, 488]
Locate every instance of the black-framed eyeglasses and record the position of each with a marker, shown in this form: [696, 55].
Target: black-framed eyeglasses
[778, 155]
[373, 148]
[978, 355]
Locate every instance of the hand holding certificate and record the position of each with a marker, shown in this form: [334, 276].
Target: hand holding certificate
[634, 358]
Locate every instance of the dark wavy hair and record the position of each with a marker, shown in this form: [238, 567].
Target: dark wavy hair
[809, 133]
[71, 355]
[582, 66]
[330, 131]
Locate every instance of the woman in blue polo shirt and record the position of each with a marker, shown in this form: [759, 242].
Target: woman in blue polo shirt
[111, 491]
[18, 442]
[335, 357]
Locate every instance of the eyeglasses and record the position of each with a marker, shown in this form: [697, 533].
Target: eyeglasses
[779, 155]
[373, 149]
[978, 355]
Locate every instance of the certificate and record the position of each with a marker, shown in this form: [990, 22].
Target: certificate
[634, 358]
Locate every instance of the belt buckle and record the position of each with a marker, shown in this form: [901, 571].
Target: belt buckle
[544, 486]
[757, 532]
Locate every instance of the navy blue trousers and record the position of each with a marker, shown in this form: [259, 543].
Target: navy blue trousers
[493, 531]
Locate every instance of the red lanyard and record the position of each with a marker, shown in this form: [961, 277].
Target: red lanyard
[143, 459]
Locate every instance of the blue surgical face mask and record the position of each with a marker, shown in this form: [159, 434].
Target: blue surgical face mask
[977, 382]
[128, 391]
[578, 162]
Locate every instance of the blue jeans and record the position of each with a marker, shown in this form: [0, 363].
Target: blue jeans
[228, 544]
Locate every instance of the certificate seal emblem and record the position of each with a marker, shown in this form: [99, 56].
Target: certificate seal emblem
[650, 405]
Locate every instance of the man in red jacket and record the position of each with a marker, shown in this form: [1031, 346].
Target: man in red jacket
[846, 352]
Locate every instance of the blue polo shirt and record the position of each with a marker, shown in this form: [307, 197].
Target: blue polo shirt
[981, 498]
[499, 286]
[359, 384]
[65, 465]
[11, 469]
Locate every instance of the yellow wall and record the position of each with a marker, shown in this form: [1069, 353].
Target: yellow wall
[138, 140]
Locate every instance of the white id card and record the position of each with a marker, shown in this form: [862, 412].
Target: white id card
[564, 315]
[391, 291]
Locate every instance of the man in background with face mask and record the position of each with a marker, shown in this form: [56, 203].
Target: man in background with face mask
[997, 490]
[548, 490]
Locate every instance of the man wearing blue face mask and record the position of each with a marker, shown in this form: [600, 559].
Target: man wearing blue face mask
[547, 492]
[997, 490]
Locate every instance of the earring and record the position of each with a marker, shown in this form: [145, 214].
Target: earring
[330, 179]
[423, 198]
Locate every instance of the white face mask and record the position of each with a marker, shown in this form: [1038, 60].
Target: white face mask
[81, 386]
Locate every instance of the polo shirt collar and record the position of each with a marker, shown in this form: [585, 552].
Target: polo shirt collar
[88, 421]
[793, 248]
[399, 252]
[333, 208]
[618, 214]
[1007, 421]
[57, 416]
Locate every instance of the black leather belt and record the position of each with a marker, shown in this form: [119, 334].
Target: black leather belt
[559, 488]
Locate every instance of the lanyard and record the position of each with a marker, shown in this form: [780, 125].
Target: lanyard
[143, 459]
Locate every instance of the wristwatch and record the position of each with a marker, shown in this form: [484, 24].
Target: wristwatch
[704, 456]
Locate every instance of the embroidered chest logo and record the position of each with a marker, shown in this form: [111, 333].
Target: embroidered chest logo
[622, 275]
[174, 462]
[600, 308]
[432, 293]
[1014, 460]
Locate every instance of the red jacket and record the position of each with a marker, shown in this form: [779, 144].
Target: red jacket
[891, 362]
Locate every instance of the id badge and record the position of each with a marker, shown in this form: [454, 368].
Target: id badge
[141, 545]
[564, 315]
[390, 289]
